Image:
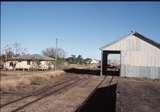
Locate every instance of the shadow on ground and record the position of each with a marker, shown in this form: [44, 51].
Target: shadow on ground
[102, 100]
[83, 71]
[90, 72]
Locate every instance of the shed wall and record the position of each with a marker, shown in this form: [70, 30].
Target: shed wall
[138, 58]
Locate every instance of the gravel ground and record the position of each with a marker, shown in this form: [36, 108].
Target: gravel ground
[129, 95]
[67, 101]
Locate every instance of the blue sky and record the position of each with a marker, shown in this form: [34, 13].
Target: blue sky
[81, 27]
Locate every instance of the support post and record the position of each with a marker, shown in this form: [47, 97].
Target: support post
[104, 62]
[101, 72]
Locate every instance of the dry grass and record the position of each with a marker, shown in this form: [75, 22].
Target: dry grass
[9, 73]
[55, 73]
[38, 79]
[23, 81]
[8, 85]
[13, 84]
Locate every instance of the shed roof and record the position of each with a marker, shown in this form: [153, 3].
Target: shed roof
[138, 35]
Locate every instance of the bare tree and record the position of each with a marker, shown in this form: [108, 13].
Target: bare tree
[13, 50]
[18, 50]
[8, 51]
[51, 52]
[16, 47]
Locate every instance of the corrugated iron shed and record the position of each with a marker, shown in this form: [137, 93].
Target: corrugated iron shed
[140, 56]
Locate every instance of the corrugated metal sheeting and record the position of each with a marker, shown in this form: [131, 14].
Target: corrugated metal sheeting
[140, 71]
[138, 57]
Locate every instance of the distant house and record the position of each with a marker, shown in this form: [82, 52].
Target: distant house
[29, 62]
[94, 61]
[114, 62]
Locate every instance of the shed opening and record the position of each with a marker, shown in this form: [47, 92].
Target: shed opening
[111, 63]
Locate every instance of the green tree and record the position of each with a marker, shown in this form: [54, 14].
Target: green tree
[79, 59]
[87, 60]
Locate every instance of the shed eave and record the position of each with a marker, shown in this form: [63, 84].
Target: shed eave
[119, 39]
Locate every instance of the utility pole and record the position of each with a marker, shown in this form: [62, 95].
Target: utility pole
[56, 54]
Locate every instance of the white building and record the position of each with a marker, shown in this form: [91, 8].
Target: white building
[29, 62]
[94, 61]
[139, 56]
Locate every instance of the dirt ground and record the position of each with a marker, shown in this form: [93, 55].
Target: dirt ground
[115, 94]
[68, 99]
[138, 95]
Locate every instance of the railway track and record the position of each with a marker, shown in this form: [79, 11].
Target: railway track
[37, 92]
[27, 100]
